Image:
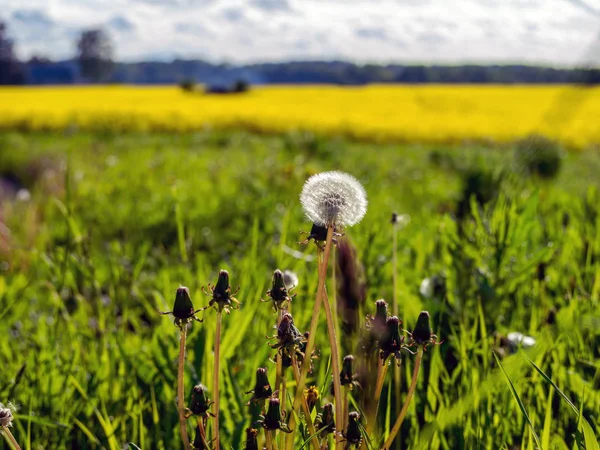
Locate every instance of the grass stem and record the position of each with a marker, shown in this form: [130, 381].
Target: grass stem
[216, 381]
[10, 438]
[310, 345]
[409, 396]
[181, 389]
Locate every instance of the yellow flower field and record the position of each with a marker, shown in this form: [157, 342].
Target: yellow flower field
[431, 113]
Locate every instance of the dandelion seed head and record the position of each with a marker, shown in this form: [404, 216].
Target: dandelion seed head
[334, 198]
[6, 416]
[290, 279]
[519, 339]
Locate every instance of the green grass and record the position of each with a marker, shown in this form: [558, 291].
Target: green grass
[117, 223]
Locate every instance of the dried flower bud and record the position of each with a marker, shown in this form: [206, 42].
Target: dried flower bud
[221, 294]
[422, 332]
[353, 434]
[279, 293]
[334, 198]
[347, 373]
[272, 420]
[381, 313]
[262, 388]
[200, 403]
[183, 309]
[312, 395]
[391, 342]
[6, 416]
[325, 419]
[287, 333]
[222, 286]
[251, 439]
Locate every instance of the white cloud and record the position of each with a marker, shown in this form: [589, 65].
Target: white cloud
[547, 31]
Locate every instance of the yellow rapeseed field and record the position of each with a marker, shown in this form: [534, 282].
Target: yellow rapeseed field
[430, 114]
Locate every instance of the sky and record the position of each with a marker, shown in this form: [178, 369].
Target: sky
[550, 32]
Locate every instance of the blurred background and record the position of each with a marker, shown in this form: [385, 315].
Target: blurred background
[146, 144]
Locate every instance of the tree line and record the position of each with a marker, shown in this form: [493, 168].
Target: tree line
[93, 62]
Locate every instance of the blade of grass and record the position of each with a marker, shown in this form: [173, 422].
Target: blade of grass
[518, 399]
[591, 443]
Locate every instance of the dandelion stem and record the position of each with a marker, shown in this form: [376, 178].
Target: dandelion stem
[310, 345]
[269, 439]
[10, 438]
[335, 367]
[279, 367]
[202, 432]
[409, 396]
[382, 367]
[181, 390]
[397, 378]
[216, 381]
[309, 422]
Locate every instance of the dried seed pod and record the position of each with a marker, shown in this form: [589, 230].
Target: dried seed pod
[221, 294]
[183, 309]
[262, 388]
[325, 419]
[251, 439]
[200, 403]
[422, 334]
[353, 434]
[391, 341]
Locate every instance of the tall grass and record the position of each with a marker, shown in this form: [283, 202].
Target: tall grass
[118, 222]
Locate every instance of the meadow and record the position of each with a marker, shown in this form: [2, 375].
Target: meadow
[112, 223]
[433, 114]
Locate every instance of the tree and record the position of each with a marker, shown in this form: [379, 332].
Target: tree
[11, 70]
[95, 55]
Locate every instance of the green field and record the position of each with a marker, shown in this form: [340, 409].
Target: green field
[116, 223]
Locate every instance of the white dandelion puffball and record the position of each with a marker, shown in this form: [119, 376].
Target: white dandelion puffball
[426, 288]
[517, 339]
[290, 279]
[334, 198]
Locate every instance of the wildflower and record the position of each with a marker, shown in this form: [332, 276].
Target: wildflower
[325, 420]
[290, 279]
[519, 339]
[273, 419]
[312, 395]
[353, 434]
[251, 439]
[279, 292]
[262, 388]
[334, 198]
[6, 416]
[200, 403]
[221, 294]
[183, 310]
